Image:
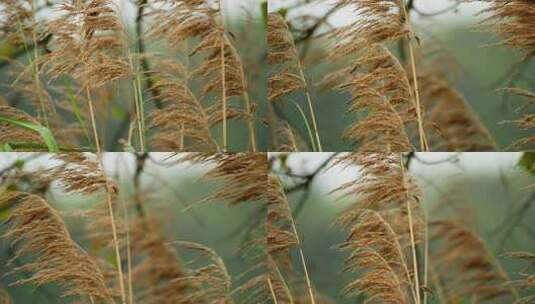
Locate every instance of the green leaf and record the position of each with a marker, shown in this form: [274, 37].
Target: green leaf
[44, 132]
[76, 109]
[118, 112]
[4, 214]
[283, 11]
[307, 125]
[7, 50]
[6, 148]
[111, 259]
[527, 161]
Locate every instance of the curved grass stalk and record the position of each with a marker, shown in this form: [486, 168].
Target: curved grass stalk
[93, 120]
[114, 233]
[310, 106]
[138, 99]
[305, 120]
[423, 139]
[250, 118]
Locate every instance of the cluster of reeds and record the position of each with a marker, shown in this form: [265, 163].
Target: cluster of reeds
[86, 75]
[129, 260]
[182, 83]
[395, 251]
[402, 97]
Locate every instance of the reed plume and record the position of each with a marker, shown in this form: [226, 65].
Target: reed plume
[221, 68]
[386, 224]
[84, 173]
[79, 173]
[290, 76]
[212, 280]
[514, 21]
[458, 126]
[465, 266]
[160, 273]
[182, 124]
[381, 95]
[282, 236]
[39, 232]
[379, 22]
[88, 45]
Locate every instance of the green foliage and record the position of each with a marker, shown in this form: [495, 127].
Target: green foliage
[527, 162]
[44, 132]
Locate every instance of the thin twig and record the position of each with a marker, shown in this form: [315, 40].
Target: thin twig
[223, 76]
[411, 231]
[114, 232]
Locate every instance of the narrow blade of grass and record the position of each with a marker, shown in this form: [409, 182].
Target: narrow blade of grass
[307, 125]
[76, 110]
[44, 132]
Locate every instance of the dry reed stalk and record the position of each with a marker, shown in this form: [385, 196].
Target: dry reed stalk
[282, 231]
[466, 267]
[39, 231]
[128, 252]
[385, 222]
[412, 233]
[423, 139]
[223, 74]
[283, 53]
[274, 297]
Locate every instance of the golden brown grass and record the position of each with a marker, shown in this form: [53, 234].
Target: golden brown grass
[282, 238]
[290, 76]
[385, 224]
[458, 127]
[382, 22]
[464, 266]
[37, 230]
